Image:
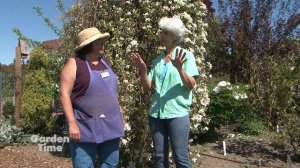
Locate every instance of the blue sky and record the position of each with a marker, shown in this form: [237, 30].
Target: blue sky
[20, 14]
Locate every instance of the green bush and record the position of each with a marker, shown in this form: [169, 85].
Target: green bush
[289, 135]
[293, 131]
[228, 104]
[8, 109]
[283, 97]
[38, 92]
[250, 127]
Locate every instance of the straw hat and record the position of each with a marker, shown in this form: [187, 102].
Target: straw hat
[89, 35]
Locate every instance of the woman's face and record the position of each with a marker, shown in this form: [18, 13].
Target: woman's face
[98, 46]
[167, 38]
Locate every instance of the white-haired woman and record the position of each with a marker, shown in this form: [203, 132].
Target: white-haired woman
[173, 74]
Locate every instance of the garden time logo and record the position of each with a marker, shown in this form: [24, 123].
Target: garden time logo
[50, 144]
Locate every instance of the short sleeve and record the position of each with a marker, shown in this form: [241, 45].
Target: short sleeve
[190, 65]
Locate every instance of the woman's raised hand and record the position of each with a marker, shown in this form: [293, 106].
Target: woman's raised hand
[179, 59]
[138, 62]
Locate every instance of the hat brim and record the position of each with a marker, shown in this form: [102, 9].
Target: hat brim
[104, 36]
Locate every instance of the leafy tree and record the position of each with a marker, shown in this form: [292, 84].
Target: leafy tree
[217, 50]
[258, 44]
[252, 36]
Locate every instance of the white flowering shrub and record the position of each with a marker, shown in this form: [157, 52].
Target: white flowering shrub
[229, 104]
[133, 26]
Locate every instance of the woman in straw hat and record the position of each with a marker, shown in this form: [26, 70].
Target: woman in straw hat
[173, 74]
[88, 92]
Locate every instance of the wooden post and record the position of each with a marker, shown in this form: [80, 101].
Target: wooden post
[22, 51]
[18, 86]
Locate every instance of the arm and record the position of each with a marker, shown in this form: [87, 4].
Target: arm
[123, 115]
[140, 64]
[188, 81]
[146, 83]
[67, 78]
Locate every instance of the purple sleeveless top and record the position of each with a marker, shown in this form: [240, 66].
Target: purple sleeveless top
[83, 76]
[98, 111]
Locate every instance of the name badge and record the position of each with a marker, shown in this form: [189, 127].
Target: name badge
[104, 74]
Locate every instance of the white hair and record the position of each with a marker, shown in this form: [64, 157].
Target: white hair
[173, 25]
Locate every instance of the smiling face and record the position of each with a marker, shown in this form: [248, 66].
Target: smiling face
[167, 38]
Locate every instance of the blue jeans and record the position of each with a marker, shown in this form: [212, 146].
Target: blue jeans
[177, 129]
[84, 154]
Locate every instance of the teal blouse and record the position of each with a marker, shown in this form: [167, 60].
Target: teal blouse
[171, 98]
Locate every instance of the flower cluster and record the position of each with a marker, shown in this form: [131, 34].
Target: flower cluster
[222, 84]
[237, 93]
[132, 46]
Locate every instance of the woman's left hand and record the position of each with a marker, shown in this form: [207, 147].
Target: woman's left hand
[179, 59]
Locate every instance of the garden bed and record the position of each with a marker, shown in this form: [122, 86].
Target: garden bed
[242, 151]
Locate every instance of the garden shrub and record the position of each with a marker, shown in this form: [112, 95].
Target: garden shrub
[284, 95]
[38, 92]
[8, 109]
[228, 104]
[288, 136]
[292, 131]
[250, 127]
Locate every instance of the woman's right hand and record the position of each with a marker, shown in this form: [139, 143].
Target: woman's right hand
[138, 62]
[74, 132]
